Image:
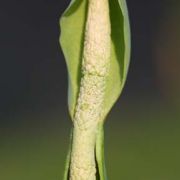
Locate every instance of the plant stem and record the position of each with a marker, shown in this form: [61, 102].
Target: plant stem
[83, 165]
[95, 66]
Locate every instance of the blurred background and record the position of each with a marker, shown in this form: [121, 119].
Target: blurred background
[143, 129]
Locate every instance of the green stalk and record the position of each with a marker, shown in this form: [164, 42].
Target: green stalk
[89, 107]
[99, 156]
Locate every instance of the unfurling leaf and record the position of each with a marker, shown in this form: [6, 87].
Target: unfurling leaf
[95, 39]
[72, 25]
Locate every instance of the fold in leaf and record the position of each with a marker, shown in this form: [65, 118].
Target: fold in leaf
[67, 163]
[72, 25]
[100, 157]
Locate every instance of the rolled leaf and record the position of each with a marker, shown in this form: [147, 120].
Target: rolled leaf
[72, 25]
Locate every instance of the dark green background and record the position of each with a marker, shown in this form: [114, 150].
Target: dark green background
[142, 131]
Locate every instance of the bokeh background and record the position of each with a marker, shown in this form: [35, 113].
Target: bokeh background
[143, 129]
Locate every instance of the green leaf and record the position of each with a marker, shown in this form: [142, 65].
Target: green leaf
[66, 170]
[100, 159]
[72, 25]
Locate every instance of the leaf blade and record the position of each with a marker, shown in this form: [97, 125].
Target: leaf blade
[72, 36]
[72, 25]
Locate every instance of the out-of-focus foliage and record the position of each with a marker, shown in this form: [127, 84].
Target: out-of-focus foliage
[146, 147]
[168, 55]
